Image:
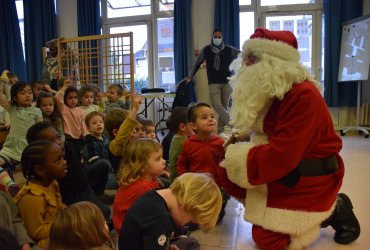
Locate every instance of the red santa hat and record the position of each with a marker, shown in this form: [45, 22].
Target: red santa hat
[281, 44]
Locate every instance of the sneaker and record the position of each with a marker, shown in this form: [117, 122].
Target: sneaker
[13, 189]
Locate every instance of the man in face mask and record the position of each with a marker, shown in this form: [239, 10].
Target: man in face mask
[218, 57]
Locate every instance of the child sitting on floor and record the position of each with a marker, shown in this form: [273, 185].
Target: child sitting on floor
[179, 122]
[138, 174]
[153, 220]
[95, 152]
[39, 200]
[120, 125]
[87, 98]
[115, 92]
[149, 128]
[22, 116]
[80, 226]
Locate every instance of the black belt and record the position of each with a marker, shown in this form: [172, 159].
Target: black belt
[311, 167]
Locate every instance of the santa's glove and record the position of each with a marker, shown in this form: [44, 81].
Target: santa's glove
[236, 137]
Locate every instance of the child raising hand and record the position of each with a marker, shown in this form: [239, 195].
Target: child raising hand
[140, 168]
[22, 116]
[39, 199]
[73, 117]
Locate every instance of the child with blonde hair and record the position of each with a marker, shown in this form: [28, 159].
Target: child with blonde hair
[138, 173]
[22, 116]
[39, 200]
[153, 220]
[81, 226]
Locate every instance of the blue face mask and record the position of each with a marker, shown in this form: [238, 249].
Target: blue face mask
[216, 41]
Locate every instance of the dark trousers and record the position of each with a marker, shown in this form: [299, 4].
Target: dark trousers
[98, 173]
[88, 195]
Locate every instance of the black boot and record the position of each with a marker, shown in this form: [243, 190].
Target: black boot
[344, 221]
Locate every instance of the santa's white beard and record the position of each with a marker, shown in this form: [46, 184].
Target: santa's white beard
[256, 86]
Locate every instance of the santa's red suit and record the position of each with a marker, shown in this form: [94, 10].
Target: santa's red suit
[279, 104]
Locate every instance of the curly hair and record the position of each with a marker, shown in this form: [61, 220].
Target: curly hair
[135, 159]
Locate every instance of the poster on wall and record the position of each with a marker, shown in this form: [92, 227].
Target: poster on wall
[288, 25]
[302, 27]
[274, 25]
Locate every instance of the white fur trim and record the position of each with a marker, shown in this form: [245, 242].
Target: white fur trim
[285, 221]
[299, 242]
[260, 46]
[236, 163]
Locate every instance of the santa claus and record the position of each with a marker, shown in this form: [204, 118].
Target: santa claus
[289, 172]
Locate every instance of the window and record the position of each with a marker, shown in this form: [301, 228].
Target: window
[284, 2]
[151, 22]
[301, 27]
[166, 5]
[302, 17]
[119, 8]
[247, 29]
[245, 2]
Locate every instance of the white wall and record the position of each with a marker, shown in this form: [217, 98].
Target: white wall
[67, 18]
[202, 15]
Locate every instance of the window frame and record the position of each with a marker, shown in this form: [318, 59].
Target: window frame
[151, 20]
[314, 9]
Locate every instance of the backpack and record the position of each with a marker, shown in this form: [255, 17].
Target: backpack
[185, 94]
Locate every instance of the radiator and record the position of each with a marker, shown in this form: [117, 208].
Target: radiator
[365, 114]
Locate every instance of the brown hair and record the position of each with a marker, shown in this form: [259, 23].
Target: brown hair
[192, 117]
[118, 87]
[79, 226]
[86, 88]
[114, 119]
[55, 115]
[178, 116]
[90, 115]
[136, 158]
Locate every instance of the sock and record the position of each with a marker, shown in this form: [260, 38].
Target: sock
[5, 178]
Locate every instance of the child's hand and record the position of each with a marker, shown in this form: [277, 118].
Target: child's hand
[136, 101]
[5, 74]
[174, 247]
[166, 174]
[26, 247]
[47, 88]
[99, 96]
[66, 83]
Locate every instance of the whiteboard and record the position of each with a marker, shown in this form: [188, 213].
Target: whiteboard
[355, 50]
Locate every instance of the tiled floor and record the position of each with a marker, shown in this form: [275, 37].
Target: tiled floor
[235, 234]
